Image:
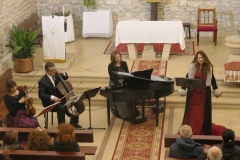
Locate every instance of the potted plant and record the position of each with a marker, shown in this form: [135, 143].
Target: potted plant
[89, 3]
[21, 45]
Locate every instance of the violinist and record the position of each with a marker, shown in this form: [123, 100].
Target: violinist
[48, 93]
[15, 103]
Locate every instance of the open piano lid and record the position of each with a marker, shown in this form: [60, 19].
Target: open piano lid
[143, 74]
[141, 78]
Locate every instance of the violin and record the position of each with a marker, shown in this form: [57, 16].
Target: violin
[30, 110]
[65, 88]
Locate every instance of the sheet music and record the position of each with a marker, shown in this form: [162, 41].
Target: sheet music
[48, 108]
[125, 74]
[157, 78]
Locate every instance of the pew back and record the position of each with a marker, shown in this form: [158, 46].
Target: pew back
[40, 155]
[202, 139]
[85, 136]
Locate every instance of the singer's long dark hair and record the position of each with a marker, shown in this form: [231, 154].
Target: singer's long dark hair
[206, 66]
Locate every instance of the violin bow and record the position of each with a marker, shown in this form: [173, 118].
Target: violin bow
[36, 82]
[70, 91]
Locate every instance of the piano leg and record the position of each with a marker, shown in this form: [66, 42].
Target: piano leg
[108, 111]
[157, 111]
[143, 108]
[138, 120]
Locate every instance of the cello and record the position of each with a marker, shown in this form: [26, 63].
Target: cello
[65, 88]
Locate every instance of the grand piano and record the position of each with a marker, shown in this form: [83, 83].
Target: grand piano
[138, 85]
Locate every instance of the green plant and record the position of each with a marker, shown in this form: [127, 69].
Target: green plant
[89, 3]
[21, 42]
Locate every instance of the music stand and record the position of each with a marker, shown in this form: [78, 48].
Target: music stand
[48, 108]
[88, 95]
[190, 84]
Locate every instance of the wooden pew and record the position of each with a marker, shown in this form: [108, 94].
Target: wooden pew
[169, 139]
[88, 150]
[202, 139]
[3, 78]
[40, 155]
[31, 24]
[85, 136]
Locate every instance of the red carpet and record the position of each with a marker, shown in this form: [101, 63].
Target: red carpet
[158, 47]
[142, 141]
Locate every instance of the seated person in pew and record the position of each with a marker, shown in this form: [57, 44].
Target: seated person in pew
[15, 102]
[230, 151]
[65, 140]
[10, 141]
[39, 140]
[185, 147]
[214, 153]
[5, 154]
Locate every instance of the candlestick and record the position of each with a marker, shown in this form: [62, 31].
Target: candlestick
[59, 10]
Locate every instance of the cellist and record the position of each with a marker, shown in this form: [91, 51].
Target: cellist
[49, 94]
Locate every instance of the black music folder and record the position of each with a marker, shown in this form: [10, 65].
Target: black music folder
[189, 82]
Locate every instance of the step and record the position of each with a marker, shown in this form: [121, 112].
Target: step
[72, 78]
[219, 103]
[230, 91]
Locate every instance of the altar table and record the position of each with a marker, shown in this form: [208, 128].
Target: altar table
[97, 23]
[149, 32]
[53, 38]
[69, 34]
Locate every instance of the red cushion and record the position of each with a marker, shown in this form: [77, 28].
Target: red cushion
[207, 28]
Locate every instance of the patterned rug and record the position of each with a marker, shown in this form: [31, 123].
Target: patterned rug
[159, 67]
[142, 141]
[158, 47]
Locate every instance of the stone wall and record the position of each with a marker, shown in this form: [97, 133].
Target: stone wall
[228, 13]
[13, 12]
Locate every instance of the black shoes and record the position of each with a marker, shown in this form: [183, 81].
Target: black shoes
[77, 125]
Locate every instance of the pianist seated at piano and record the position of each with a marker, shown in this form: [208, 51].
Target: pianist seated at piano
[119, 109]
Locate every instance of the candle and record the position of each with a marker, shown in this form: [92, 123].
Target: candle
[59, 10]
[63, 10]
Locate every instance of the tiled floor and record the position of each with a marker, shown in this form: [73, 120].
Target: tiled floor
[90, 61]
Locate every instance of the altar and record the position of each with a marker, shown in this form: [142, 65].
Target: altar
[53, 39]
[69, 33]
[97, 23]
[149, 32]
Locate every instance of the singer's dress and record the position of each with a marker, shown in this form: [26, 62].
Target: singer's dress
[200, 112]
[197, 108]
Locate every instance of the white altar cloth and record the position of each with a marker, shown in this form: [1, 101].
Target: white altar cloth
[166, 32]
[97, 23]
[53, 37]
[150, 32]
[69, 35]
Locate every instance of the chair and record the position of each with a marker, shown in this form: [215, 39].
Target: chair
[207, 23]
[46, 119]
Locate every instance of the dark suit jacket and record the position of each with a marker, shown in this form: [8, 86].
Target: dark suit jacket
[46, 89]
